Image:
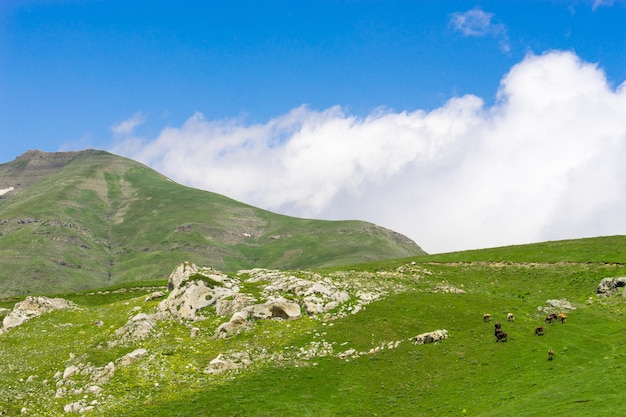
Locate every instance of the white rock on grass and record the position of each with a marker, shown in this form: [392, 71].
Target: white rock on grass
[133, 356]
[33, 307]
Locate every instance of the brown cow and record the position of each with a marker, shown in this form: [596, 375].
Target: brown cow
[552, 317]
[540, 330]
[550, 354]
[562, 317]
[501, 336]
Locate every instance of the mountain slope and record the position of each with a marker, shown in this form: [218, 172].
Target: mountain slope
[79, 220]
[356, 359]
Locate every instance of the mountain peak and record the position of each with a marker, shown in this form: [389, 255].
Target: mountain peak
[90, 219]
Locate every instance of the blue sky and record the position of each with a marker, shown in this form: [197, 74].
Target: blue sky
[460, 124]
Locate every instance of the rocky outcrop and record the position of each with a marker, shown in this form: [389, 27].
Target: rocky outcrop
[33, 307]
[193, 288]
[610, 286]
[318, 295]
[273, 309]
[277, 295]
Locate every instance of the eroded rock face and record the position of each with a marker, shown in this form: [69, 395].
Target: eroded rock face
[279, 308]
[193, 288]
[33, 307]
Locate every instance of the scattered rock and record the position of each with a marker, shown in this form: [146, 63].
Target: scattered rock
[70, 371]
[445, 288]
[237, 323]
[155, 295]
[560, 305]
[33, 307]
[133, 356]
[76, 407]
[228, 362]
[137, 328]
[430, 337]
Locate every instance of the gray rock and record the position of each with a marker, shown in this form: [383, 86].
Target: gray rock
[133, 356]
[559, 305]
[430, 337]
[609, 286]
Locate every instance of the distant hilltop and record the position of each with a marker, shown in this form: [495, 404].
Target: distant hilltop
[88, 219]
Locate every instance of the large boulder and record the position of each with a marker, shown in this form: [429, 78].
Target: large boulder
[610, 286]
[193, 288]
[237, 323]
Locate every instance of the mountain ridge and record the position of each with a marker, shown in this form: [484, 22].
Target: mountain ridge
[87, 219]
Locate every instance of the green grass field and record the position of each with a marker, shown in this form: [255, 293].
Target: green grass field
[468, 374]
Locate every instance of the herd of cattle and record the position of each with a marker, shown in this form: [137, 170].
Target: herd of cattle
[502, 336]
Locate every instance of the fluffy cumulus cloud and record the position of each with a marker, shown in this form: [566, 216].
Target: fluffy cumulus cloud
[544, 162]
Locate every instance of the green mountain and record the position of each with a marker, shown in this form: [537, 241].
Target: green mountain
[80, 220]
[342, 341]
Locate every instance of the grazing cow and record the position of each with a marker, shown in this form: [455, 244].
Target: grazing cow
[562, 317]
[540, 330]
[486, 318]
[501, 336]
[510, 317]
[552, 317]
[550, 354]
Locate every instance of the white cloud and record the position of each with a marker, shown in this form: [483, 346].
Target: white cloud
[128, 126]
[474, 22]
[545, 162]
[598, 3]
[478, 23]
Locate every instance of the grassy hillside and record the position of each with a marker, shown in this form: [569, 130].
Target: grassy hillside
[80, 220]
[299, 366]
